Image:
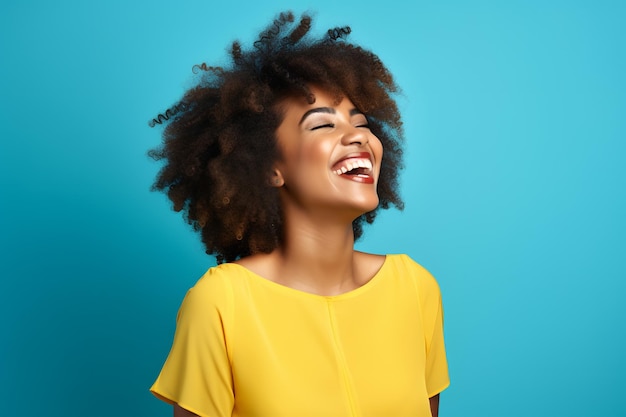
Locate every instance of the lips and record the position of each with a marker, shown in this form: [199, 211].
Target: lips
[356, 167]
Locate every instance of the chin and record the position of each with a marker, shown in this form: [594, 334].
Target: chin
[367, 206]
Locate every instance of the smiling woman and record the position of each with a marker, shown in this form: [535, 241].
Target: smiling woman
[278, 160]
[330, 160]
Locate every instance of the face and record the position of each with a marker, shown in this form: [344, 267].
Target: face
[330, 158]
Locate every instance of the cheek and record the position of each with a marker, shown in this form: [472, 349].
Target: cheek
[316, 153]
[305, 160]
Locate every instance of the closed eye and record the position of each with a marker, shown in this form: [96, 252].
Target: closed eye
[360, 120]
[327, 125]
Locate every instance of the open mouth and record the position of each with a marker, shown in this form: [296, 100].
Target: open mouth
[357, 168]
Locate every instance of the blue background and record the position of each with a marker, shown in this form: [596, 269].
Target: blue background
[514, 189]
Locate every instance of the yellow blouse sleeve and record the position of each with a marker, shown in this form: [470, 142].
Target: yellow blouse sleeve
[197, 373]
[437, 378]
[436, 366]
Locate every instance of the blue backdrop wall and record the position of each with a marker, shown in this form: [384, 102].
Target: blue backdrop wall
[514, 189]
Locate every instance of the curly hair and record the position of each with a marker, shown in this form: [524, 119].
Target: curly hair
[219, 143]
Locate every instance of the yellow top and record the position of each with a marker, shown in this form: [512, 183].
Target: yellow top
[249, 347]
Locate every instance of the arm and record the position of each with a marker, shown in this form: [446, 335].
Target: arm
[196, 374]
[181, 412]
[434, 406]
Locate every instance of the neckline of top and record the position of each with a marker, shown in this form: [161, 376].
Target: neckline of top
[289, 290]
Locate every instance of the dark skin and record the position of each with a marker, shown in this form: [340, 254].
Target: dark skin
[434, 405]
[318, 253]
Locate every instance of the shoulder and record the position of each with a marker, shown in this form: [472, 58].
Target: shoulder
[368, 265]
[213, 291]
[215, 279]
[403, 266]
[261, 264]
[426, 288]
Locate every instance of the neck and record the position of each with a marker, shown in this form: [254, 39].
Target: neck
[318, 256]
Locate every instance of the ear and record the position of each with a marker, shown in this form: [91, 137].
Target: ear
[277, 180]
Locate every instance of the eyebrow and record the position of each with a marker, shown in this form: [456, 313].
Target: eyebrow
[328, 110]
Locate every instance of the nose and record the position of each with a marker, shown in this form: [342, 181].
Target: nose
[355, 136]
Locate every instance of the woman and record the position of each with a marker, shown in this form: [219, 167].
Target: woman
[278, 160]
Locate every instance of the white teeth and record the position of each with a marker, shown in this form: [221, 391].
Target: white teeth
[353, 164]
